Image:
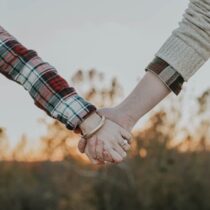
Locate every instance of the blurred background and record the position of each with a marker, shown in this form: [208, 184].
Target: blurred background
[102, 48]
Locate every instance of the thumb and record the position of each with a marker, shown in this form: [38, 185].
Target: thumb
[82, 144]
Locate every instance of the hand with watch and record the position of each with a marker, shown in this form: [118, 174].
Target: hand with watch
[103, 140]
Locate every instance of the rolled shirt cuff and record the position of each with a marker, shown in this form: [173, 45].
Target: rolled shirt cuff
[72, 111]
[167, 74]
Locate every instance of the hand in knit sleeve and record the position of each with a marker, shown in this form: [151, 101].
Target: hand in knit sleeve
[188, 48]
[49, 91]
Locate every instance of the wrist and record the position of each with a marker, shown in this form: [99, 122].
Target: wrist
[90, 123]
[126, 119]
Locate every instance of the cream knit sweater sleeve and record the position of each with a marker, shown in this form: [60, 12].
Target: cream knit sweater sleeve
[188, 48]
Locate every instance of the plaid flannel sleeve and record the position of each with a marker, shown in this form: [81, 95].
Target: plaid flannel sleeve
[50, 92]
[167, 74]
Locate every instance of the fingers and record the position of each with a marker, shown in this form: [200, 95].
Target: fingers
[91, 146]
[116, 157]
[120, 150]
[110, 144]
[126, 135]
[125, 145]
[82, 144]
[99, 150]
[95, 151]
[107, 156]
[92, 160]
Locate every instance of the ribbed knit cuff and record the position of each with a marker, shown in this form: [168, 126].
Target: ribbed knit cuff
[182, 57]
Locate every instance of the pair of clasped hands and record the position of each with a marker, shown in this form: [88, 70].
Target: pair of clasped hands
[106, 137]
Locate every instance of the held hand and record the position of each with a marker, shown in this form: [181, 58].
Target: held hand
[114, 115]
[110, 143]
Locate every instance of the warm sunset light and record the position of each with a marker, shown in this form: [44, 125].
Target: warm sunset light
[104, 105]
[143, 153]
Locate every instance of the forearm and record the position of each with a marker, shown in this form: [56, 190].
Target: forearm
[49, 91]
[146, 95]
[179, 58]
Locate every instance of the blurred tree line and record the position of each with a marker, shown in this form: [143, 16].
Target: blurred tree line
[167, 168]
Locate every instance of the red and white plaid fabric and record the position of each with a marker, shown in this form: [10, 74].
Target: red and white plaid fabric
[49, 91]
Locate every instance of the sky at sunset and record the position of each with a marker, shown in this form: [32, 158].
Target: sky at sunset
[117, 37]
